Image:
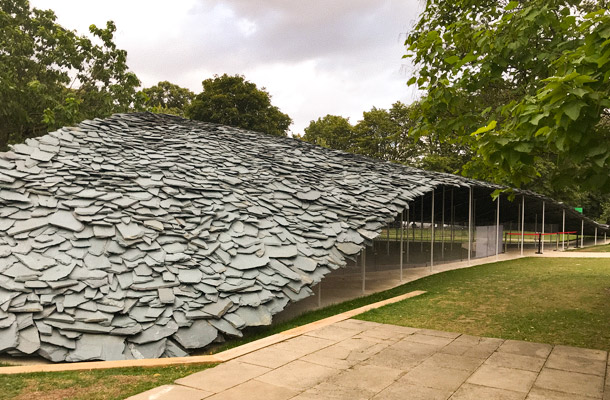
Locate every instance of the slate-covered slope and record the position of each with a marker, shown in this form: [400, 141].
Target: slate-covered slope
[145, 235]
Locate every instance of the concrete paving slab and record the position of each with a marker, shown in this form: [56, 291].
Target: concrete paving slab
[416, 348]
[255, 390]
[327, 391]
[367, 377]
[270, 357]
[504, 378]
[171, 392]
[565, 362]
[222, 377]
[403, 330]
[544, 394]
[471, 340]
[453, 361]
[353, 324]
[299, 375]
[475, 392]
[345, 354]
[526, 348]
[383, 333]
[302, 345]
[571, 382]
[435, 377]
[590, 354]
[432, 332]
[401, 391]
[472, 346]
[400, 363]
[516, 361]
[428, 339]
[396, 359]
[334, 332]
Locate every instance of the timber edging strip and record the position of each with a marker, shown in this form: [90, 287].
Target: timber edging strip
[207, 359]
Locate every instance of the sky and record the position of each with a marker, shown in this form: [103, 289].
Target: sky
[315, 57]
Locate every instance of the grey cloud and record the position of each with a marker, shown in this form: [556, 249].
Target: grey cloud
[341, 34]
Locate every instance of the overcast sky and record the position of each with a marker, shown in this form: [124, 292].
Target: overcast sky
[315, 57]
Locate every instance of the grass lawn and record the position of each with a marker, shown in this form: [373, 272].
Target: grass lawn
[110, 384]
[557, 301]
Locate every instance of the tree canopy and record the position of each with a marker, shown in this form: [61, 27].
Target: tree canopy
[385, 135]
[51, 77]
[168, 98]
[331, 131]
[523, 84]
[234, 101]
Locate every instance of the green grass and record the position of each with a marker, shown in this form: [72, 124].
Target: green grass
[110, 384]
[557, 301]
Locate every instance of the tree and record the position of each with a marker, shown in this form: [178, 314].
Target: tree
[51, 77]
[234, 101]
[332, 131]
[167, 98]
[385, 135]
[497, 77]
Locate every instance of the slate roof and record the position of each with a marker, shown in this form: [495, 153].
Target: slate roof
[146, 235]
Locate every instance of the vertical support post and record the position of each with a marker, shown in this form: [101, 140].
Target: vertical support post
[443, 228]
[563, 231]
[582, 233]
[497, 226]
[408, 244]
[421, 225]
[543, 212]
[320, 294]
[388, 241]
[402, 217]
[432, 234]
[595, 243]
[363, 267]
[452, 220]
[474, 216]
[522, 222]
[469, 222]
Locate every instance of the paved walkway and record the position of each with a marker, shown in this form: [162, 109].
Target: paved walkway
[355, 360]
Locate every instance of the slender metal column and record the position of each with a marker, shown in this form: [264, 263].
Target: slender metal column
[582, 233]
[543, 211]
[519, 218]
[432, 234]
[408, 242]
[469, 221]
[452, 220]
[388, 251]
[474, 217]
[363, 261]
[563, 232]
[443, 228]
[595, 244]
[522, 222]
[421, 223]
[498, 226]
[402, 217]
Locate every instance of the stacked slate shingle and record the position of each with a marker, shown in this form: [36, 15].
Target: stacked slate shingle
[144, 235]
